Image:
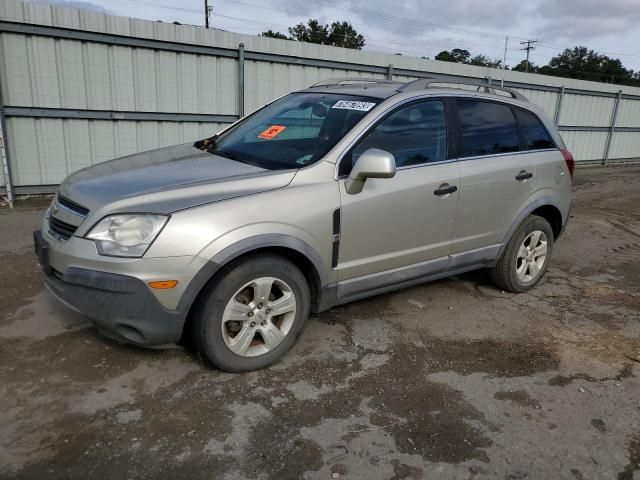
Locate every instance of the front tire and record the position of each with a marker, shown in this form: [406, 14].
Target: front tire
[526, 257]
[253, 314]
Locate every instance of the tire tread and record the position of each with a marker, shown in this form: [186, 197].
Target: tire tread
[502, 273]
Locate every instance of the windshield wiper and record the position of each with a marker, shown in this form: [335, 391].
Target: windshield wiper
[208, 144]
[225, 153]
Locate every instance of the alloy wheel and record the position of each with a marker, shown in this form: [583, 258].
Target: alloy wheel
[258, 317]
[532, 255]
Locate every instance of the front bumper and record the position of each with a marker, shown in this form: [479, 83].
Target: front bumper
[121, 306]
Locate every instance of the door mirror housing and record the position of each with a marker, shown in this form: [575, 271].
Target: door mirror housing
[373, 163]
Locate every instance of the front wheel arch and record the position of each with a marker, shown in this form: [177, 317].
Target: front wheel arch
[216, 268]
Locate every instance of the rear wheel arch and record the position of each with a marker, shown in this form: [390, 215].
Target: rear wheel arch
[551, 214]
[545, 207]
[526, 257]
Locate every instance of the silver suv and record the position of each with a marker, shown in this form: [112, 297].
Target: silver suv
[344, 190]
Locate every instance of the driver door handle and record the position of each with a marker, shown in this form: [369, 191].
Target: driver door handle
[445, 189]
[524, 175]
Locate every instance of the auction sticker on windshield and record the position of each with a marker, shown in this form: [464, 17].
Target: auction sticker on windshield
[353, 105]
[272, 131]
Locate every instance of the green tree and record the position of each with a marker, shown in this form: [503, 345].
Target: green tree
[460, 55]
[339, 34]
[482, 61]
[522, 67]
[342, 34]
[312, 32]
[272, 34]
[457, 55]
[585, 64]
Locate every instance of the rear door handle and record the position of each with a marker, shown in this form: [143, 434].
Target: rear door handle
[524, 175]
[445, 189]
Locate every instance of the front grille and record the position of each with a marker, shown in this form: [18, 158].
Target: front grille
[61, 229]
[71, 205]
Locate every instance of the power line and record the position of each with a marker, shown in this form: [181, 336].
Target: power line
[370, 39]
[402, 20]
[342, 6]
[616, 54]
[384, 16]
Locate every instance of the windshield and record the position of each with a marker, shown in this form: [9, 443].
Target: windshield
[292, 132]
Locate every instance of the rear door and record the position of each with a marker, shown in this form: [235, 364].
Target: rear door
[400, 226]
[497, 178]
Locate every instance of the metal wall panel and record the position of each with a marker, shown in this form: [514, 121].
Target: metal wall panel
[586, 111]
[625, 145]
[629, 113]
[41, 72]
[49, 149]
[585, 146]
[546, 100]
[266, 81]
[198, 73]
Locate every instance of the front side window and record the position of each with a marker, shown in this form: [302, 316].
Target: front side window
[535, 135]
[414, 134]
[487, 128]
[292, 132]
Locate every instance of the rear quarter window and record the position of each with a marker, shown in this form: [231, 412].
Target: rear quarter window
[536, 136]
[487, 128]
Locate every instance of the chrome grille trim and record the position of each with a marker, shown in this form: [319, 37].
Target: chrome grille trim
[65, 216]
[72, 206]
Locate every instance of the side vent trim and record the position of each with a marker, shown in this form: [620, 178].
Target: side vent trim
[335, 249]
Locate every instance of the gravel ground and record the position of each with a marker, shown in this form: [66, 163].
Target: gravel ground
[453, 379]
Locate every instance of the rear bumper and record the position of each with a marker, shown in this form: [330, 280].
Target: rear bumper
[121, 307]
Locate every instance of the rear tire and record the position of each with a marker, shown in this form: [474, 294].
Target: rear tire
[253, 314]
[526, 257]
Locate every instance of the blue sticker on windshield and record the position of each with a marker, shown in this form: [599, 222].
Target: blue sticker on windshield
[353, 105]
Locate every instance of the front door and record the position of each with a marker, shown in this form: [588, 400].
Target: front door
[399, 228]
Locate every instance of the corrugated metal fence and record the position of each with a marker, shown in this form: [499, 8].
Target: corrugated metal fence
[79, 87]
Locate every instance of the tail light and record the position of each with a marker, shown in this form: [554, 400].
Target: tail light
[571, 164]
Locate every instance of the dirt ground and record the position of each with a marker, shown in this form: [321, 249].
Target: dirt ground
[453, 379]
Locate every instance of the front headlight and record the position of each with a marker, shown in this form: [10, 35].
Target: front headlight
[126, 235]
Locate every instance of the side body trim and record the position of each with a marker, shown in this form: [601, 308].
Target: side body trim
[479, 255]
[328, 296]
[390, 277]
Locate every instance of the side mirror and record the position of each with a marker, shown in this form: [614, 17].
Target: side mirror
[373, 163]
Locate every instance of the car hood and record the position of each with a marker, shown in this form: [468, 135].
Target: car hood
[166, 180]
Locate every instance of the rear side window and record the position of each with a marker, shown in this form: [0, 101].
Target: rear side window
[535, 135]
[487, 128]
[414, 134]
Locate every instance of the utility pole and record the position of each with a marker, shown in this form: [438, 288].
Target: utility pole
[207, 12]
[529, 46]
[504, 59]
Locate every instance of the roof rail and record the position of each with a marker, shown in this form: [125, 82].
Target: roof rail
[333, 82]
[486, 85]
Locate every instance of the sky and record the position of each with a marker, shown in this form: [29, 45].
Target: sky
[421, 28]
